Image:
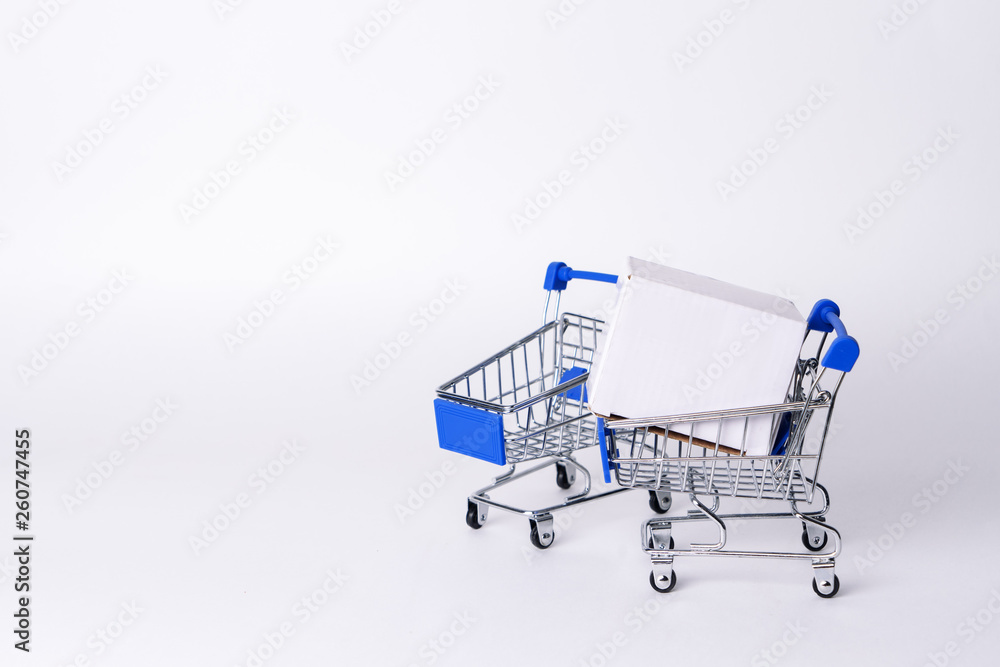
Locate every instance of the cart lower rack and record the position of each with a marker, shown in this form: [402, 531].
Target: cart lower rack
[704, 456]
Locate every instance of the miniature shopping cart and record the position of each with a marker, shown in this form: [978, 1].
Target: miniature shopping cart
[529, 402]
[685, 454]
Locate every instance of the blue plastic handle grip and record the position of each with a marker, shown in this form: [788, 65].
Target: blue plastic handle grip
[844, 351]
[558, 275]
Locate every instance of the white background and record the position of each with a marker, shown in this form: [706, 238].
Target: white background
[652, 193]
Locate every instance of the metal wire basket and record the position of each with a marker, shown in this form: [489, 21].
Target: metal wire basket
[528, 400]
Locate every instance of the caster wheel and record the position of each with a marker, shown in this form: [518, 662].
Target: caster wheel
[669, 545]
[659, 586]
[472, 517]
[654, 503]
[808, 544]
[564, 478]
[831, 593]
[542, 541]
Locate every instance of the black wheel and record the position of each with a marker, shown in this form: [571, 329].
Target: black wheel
[805, 538]
[670, 544]
[536, 539]
[666, 589]
[836, 588]
[654, 503]
[562, 476]
[810, 546]
[472, 516]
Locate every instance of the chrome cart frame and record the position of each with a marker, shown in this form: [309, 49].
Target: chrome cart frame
[664, 455]
[529, 402]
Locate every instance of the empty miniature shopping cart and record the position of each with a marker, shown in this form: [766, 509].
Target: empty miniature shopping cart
[689, 454]
[529, 402]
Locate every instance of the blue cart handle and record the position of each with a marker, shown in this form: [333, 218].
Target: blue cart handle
[844, 351]
[558, 275]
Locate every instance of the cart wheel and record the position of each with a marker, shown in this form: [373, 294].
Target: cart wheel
[657, 506]
[836, 588]
[543, 541]
[472, 516]
[666, 589]
[809, 545]
[668, 546]
[564, 476]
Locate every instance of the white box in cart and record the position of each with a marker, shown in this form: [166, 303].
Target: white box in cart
[679, 343]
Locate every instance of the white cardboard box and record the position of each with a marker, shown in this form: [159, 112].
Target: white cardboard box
[679, 343]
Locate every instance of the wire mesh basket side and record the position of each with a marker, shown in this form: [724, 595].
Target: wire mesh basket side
[680, 454]
[523, 382]
[561, 423]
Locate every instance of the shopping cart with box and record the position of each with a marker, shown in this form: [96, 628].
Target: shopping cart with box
[527, 403]
[665, 456]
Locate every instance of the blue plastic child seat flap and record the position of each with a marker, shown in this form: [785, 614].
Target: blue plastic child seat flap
[470, 431]
[574, 393]
[605, 463]
[781, 438]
